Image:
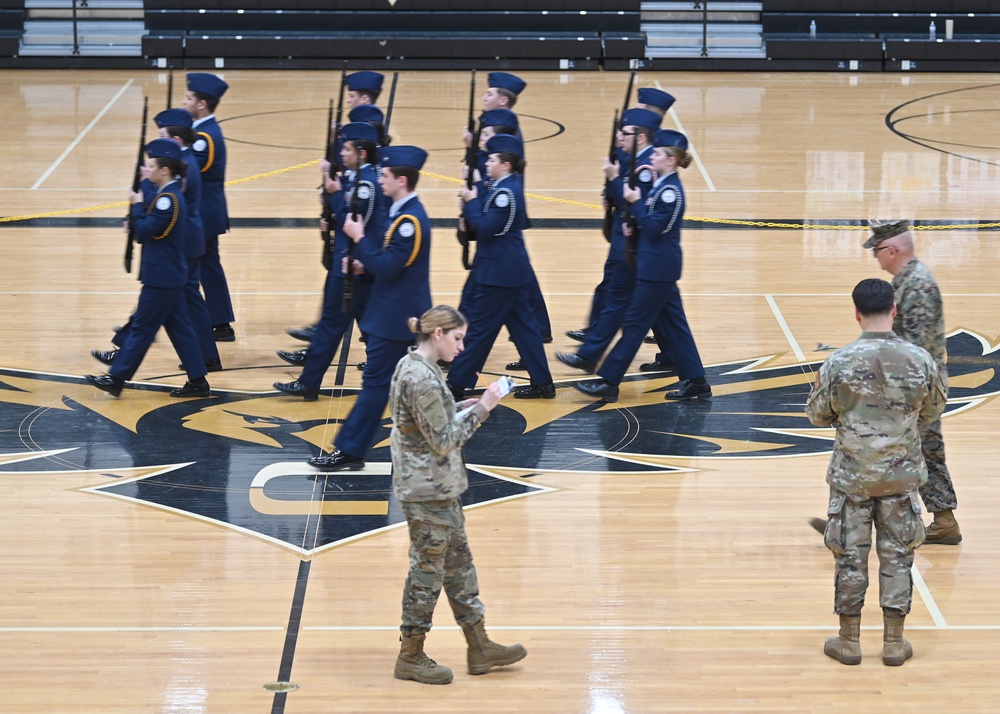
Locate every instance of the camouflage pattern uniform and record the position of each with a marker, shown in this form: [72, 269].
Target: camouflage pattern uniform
[428, 478]
[920, 320]
[875, 390]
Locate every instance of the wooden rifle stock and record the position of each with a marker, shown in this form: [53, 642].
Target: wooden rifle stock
[136, 185]
[465, 235]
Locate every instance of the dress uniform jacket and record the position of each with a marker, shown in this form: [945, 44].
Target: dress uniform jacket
[210, 151]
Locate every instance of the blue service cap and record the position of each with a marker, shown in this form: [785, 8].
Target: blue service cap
[641, 117]
[174, 117]
[505, 143]
[504, 80]
[499, 117]
[360, 130]
[366, 112]
[167, 148]
[669, 137]
[365, 81]
[402, 156]
[655, 98]
[205, 83]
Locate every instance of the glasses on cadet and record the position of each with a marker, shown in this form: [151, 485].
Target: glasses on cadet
[876, 250]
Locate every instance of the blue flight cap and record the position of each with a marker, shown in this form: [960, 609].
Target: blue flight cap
[167, 148]
[174, 117]
[503, 80]
[655, 98]
[205, 83]
[641, 117]
[366, 112]
[360, 130]
[365, 82]
[499, 117]
[402, 156]
[505, 143]
[669, 137]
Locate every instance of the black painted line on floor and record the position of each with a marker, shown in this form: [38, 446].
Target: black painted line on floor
[291, 635]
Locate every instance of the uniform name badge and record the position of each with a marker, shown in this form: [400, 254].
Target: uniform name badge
[163, 203]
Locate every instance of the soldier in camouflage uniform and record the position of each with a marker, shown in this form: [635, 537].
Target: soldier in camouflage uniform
[429, 477]
[875, 391]
[920, 320]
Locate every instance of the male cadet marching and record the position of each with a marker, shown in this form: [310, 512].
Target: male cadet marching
[203, 95]
[159, 225]
[399, 263]
[638, 126]
[876, 391]
[356, 193]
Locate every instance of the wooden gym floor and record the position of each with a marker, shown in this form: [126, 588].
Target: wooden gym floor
[165, 556]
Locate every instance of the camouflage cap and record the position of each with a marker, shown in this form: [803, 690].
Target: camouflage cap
[883, 230]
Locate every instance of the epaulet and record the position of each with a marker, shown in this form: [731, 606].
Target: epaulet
[166, 201]
[205, 145]
[406, 230]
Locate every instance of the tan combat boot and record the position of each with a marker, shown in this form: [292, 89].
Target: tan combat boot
[896, 649]
[944, 530]
[484, 655]
[413, 664]
[846, 647]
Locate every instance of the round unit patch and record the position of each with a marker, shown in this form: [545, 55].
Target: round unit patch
[163, 203]
[200, 145]
[364, 193]
[406, 230]
[645, 175]
[502, 200]
[669, 195]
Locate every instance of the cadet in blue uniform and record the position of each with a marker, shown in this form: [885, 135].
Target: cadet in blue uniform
[356, 191]
[203, 95]
[638, 126]
[501, 273]
[159, 226]
[398, 261]
[656, 299]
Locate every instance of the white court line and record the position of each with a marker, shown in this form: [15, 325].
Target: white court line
[925, 595]
[82, 134]
[784, 328]
[691, 149]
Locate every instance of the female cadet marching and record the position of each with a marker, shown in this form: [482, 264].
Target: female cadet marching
[357, 194]
[428, 478]
[159, 226]
[501, 274]
[656, 299]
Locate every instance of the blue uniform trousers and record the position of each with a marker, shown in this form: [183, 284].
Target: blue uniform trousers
[197, 310]
[213, 281]
[492, 307]
[330, 329]
[159, 307]
[654, 303]
[536, 303]
[355, 436]
[597, 303]
[618, 295]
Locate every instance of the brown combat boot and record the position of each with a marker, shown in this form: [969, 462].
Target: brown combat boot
[484, 655]
[944, 530]
[846, 647]
[896, 649]
[413, 664]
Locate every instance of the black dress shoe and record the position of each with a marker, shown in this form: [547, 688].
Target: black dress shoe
[601, 390]
[337, 461]
[578, 335]
[107, 383]
[688, 390]
[296, 358]
[649, 340]
[362, 365]
[212, 365]
[223, 333]
[104, 357]
[297, 389]
[457, 392]
[536, 391]
[571, 359]
[546, 339]
[518, 366]
[656, 366]
[191, 388]
[302, 333]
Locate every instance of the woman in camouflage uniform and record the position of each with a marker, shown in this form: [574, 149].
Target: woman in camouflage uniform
[428, 478]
